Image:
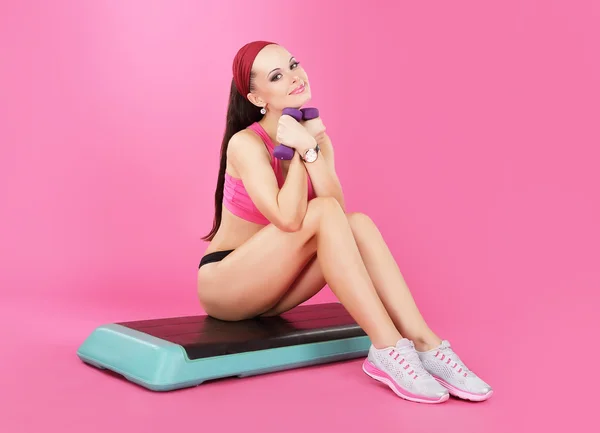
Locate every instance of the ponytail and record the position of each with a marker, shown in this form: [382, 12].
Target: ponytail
[241, 113]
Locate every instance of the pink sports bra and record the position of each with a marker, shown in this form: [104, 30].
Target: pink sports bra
[235, 196]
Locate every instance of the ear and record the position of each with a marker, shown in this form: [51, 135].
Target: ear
[256, 100]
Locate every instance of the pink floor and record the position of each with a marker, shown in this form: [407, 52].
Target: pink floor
[534, 362]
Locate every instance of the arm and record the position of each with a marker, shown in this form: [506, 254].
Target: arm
[322, 172]
[284, 207]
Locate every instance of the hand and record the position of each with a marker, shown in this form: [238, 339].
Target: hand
[293, 134]
[315, 127]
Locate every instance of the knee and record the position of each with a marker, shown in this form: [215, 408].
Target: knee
[358, 220]
[319, 207]
[324, 203]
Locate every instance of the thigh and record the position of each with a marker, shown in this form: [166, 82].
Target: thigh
[311, 280]
[254, 277]
[308, 283]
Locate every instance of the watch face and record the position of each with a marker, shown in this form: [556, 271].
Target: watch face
[311, 155]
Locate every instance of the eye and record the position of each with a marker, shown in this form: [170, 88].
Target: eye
[293, 66]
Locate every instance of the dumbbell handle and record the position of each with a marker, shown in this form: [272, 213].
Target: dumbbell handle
[282, 151]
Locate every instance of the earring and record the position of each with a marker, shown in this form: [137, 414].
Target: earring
[263, 110]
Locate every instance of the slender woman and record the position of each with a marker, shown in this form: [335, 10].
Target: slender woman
[281, 233]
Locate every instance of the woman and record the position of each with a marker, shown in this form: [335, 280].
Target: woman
[281, 233]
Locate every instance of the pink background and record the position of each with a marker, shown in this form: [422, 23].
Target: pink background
[467, 130]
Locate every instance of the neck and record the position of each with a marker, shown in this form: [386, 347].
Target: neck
[270, 122]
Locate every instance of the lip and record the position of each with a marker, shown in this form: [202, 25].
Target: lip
[298, 89]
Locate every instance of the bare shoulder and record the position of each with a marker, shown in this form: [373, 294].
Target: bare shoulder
[246, 148]
[244, 142]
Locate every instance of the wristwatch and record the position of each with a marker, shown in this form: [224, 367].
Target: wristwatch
[311, 154]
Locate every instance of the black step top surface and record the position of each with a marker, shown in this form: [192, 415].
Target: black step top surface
[203, 336]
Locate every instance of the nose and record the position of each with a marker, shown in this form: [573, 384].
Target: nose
[296, 80]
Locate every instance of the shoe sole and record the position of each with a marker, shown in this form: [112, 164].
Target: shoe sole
[463, 394]
[383, 377]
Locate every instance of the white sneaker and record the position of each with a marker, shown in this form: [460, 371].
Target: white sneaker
[447, 368]
[400, 368]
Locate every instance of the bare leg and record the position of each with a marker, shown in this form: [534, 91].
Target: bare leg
[236, 288]
[390, 283]
[387, 279]
[309, 283]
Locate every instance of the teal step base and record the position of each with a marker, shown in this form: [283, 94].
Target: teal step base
[160, 365]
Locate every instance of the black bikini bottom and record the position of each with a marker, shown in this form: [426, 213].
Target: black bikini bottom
[214, 257]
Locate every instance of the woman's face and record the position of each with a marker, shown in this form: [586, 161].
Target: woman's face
[280, 81]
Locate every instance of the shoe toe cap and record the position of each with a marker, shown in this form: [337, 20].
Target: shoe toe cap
[478, 386]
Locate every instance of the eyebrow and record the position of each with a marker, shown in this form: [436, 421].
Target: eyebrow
[291, 58]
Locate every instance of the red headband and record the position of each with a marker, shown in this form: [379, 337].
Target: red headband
[242, 64]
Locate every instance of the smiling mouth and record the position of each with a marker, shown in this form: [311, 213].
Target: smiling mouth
[298, 89]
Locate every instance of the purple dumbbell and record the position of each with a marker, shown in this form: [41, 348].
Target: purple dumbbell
[282, 151]
[310, 113]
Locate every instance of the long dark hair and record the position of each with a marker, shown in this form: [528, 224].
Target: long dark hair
[241, 113]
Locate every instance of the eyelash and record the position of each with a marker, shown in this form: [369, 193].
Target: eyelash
[274, 78]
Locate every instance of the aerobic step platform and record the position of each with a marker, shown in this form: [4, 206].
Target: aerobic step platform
[172, 353]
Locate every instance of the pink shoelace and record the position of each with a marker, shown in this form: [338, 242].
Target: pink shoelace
[449, 361]
[397, 356]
